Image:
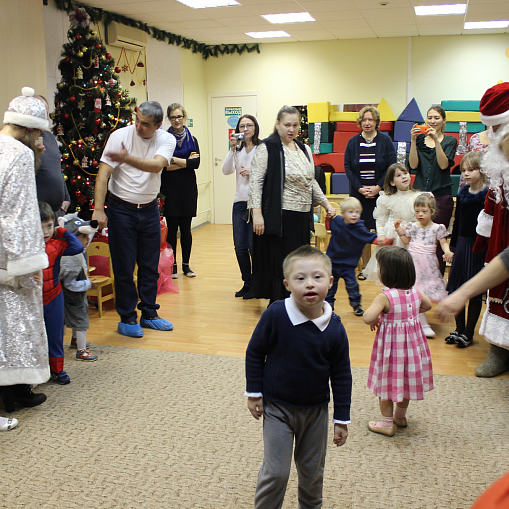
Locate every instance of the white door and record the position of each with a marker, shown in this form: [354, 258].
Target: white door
[225, 112]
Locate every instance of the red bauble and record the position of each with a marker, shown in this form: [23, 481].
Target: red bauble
[98, 46]
[73, 182]
[118, 69]
[78, 192]
[100, 82]
[94, 163]
[119, 94]
[108, 55]
[132, 83]
[67, 59]
[66, 116]
[98, 121]
[72, 98]
[78, 37]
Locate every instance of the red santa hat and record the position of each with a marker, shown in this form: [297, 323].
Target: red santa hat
[495, 105]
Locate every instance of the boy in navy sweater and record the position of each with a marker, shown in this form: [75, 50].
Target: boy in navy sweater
[297, 346]
[348, 238]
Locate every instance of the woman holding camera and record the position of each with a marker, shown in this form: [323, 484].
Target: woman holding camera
[431, 158]
[243, 143]
[178, 184]
[282, 193]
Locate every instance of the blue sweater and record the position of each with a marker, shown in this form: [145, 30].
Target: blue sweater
[292, 364]
[347, 242]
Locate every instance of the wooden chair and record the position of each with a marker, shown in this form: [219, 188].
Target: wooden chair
[320, 236]
[101, 249]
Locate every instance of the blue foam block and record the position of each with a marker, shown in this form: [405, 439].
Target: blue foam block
[412, 113]
[461, 105]
[340, 183]
[402, 131]
[395, 143]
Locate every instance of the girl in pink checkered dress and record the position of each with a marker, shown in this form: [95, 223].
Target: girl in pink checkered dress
[400, 369]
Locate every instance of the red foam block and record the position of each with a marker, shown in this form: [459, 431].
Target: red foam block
[352, 127]
[340, 141]
[335, 160]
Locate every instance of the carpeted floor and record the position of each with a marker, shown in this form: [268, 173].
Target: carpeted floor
[169, 430]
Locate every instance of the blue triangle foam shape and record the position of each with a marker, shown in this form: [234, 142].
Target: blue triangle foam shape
[412, 113]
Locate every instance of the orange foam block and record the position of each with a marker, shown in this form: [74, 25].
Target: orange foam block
[335, 160]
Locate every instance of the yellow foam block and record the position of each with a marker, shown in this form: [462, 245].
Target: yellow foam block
[386, 114]
[462, 116]
[318, 112]
[328, 175]
[344, 116]
[333, 108]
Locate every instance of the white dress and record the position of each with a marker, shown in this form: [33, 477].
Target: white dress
[23, 343]
[399, 205]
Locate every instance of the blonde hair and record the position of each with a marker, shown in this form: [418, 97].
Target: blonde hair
[350, 203]
[374, 111]
[306, 251]
[472, 160]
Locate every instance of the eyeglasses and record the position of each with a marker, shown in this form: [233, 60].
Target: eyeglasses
[246, 126]
[178, 117]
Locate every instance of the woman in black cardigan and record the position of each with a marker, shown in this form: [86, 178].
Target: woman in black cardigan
[367, 157]
[178, 184]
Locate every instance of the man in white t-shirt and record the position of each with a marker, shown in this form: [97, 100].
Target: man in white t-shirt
[132, 160]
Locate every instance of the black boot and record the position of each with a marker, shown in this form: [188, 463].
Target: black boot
[21, 394]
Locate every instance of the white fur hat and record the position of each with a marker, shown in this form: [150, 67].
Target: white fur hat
[27, 111]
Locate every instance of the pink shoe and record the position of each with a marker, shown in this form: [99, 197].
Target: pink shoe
[376, 427]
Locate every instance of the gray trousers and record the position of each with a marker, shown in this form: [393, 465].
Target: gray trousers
[309, 427]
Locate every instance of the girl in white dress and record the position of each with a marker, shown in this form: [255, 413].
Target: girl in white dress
[396, 201]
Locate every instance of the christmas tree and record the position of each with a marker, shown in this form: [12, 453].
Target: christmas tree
[89, 105]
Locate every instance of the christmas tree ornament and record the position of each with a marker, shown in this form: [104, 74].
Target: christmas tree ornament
[79, 54]
[84, 162]
[76, 162]
[97, 105]
[98, 46]
[78, 208]
[132, 83]
[96, 62]
[97, 121]
[118, 70]
[65, 177]
[93, 32]
[140, 64]
[67, 59]
[66, 155]
[67, 116]
[108, 56]
[72, 98]
[79, 73]
[73, 182]
[94, 163]
[81, 104]
[78, 37]
[60, 130]
[84, 49]
[112, 82]
[107, 100]
[61, 85]
[117, 105]
[103, 125]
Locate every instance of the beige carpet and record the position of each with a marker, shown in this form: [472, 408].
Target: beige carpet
[152, 429]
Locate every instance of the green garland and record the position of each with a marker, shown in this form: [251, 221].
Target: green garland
[106, 17]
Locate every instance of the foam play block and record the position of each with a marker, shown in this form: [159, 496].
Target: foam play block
[326, 132]
[344, 116]
[336, 161]
[455, 184]
[472, 127]
[402, 130]
[463, 116]
[386, 113]
[396, 146]
[318, 112]
[325, 148]
[340, 141]
[457, 136]
[461, 105]
[457, 160]
[352, 127]
[327, 182]
[340, 183]
[411, 113]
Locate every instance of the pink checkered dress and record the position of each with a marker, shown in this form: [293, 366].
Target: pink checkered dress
[400, 366]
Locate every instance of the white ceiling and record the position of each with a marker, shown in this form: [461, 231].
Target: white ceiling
[335, 19]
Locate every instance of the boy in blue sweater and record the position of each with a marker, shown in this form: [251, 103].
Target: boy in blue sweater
[348, 238]
[297, 346]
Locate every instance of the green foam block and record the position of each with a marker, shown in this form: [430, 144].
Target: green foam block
[325, 148]
[472, 127]
[460, 105]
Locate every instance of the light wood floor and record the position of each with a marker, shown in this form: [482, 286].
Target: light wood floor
[208, 319]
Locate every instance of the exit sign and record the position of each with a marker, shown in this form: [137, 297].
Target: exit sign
[232, 110]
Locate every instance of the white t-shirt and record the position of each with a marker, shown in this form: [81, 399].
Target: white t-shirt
[129, 183]
[233, 163]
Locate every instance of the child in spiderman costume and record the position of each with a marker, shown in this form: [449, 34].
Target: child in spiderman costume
[58, 243]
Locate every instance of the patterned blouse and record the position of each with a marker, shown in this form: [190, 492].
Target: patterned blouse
[299, 186]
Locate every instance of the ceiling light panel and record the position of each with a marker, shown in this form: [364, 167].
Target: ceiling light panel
[440, 10]
[473, 25]
[289, 17]
[267, 35]
[204, 4]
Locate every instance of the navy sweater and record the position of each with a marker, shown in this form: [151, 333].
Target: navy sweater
[292, 364]
[347, 242]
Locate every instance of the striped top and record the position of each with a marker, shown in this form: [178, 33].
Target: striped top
[367, 162]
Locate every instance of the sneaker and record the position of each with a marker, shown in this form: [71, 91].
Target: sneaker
[452, 338]
[61, 378]
[85, 355]
[428, 331]
[175, 274]
[243, 291]
[156, 323]
[358, 311]
[463, 341]
[187, 271]
[131, 329]
[74, 344]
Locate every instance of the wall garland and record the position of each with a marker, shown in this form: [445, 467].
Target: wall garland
[207, 50]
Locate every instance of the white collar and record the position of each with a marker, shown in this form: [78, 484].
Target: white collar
[297, 317]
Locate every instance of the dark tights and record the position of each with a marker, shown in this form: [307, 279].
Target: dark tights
[186, 239]
[474, 310]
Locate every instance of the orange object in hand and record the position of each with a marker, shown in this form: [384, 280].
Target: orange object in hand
[424, 128]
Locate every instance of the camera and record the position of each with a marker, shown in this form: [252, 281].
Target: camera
[423, 128]
[239, 136]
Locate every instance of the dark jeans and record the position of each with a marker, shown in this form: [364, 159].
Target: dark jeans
[242, 240]
[134, 238]
[443, 215]
[186, 238]
[352, 287]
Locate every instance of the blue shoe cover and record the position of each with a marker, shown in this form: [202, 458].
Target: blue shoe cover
[133, 331]
[159, 324]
